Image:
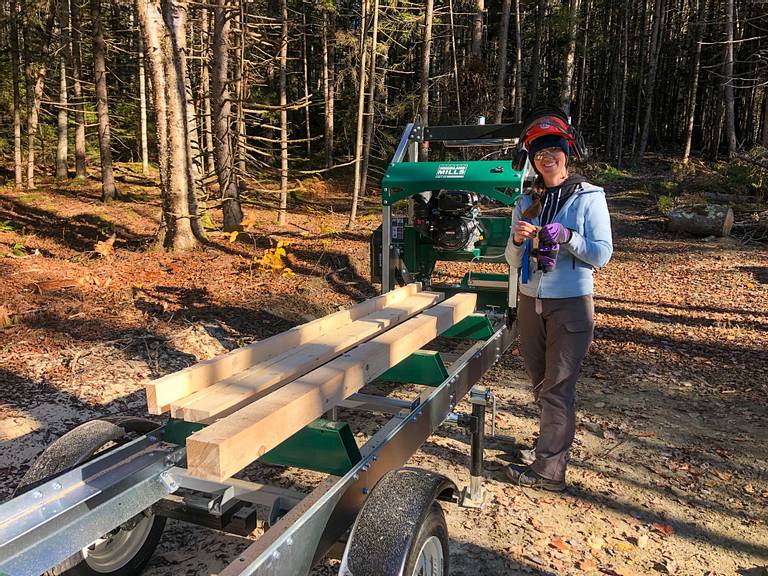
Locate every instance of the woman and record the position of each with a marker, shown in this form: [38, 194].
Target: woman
[569, 219]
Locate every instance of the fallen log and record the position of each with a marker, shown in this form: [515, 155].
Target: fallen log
[161, 393]
[232, 443]
[236, 391]
[706, 220]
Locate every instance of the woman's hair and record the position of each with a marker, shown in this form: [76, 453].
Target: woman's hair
[538, 188]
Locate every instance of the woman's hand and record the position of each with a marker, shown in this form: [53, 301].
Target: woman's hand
[524, 230]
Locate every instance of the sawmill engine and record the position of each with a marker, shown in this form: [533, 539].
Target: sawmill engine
[449, 218]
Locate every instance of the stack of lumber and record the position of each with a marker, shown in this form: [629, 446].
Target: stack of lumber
[256, 397]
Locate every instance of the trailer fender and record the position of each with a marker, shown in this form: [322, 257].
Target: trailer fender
[383, 538]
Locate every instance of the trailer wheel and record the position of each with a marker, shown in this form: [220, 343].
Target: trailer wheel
[127, 548]
[401, 529]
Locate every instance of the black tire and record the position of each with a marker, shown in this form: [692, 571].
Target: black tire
[433, 526]
[75, 448]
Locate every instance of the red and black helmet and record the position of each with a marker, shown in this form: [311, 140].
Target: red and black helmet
[546, 121]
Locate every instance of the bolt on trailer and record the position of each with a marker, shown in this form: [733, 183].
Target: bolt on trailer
[96, 501]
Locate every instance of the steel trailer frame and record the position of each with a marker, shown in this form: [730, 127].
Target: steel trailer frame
[46, 525]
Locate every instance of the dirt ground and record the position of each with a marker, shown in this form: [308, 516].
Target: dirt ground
[669, 473]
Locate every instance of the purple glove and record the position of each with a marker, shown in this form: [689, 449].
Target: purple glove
[546, 258]
[554, 233]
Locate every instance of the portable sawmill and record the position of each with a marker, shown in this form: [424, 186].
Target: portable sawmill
[95, 502]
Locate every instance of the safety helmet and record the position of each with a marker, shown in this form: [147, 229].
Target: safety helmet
[546, 121]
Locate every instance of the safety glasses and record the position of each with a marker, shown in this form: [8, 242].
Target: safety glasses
[553, 151]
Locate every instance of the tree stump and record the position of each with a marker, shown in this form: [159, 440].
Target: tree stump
[707, 220]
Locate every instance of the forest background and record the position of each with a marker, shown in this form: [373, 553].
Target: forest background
[231, 97]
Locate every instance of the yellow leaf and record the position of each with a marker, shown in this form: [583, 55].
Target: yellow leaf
[595, 542]
[623, 546]
[233, 236]
[750, 285]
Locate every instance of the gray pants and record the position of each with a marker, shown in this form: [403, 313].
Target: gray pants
[555, 335]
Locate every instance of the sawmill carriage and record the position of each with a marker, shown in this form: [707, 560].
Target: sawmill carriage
[96, 501]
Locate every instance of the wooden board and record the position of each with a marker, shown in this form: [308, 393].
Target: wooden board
[166, 390]
[230, 444]
[236, 391]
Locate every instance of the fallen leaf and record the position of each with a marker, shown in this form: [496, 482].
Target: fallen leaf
[5, 317]
[664, 529]
[559, 544]
[642, 541]
[725, 476]
[587, 564]
[250, 219]
[595, 542]
[106, 247]
[749, 489]
[623, 546]
[233, 236]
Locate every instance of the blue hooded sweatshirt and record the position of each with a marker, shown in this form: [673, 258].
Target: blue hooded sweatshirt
[585, 213]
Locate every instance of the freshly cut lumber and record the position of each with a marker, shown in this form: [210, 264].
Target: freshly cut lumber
[245, 387]
[166, 390]
[708, 220]
[230, 444]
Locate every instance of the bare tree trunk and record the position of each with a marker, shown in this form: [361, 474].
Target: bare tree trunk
[360, 111]
[77, 91]
[205, 86]
[241, 90]
[281, 217]
[765, 120]
[63, 117]
[305, 58]
[176, 16]
[477, 31]
[501, 77]
[656, 36]
[623, 97]
[535, 70]
[108, 191]
[222, 118]
[159, 26]
[730, 115]
[142, 109]
[425, 67]
[37, 95]
[700, 24]
[17, 152]
[518, 64]
[371, 101]
[328, 84]
[455, 61]
[583, 70]
[570, 57]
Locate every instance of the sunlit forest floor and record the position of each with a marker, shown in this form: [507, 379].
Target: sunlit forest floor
[670, 468]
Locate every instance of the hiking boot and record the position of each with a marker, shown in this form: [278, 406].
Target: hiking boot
[528, 457]
[527, 478]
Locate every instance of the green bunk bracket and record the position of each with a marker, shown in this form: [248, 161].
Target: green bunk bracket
[473, 327]
[487, 280]
[323, 446]
[176, 431]
[424, 367]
